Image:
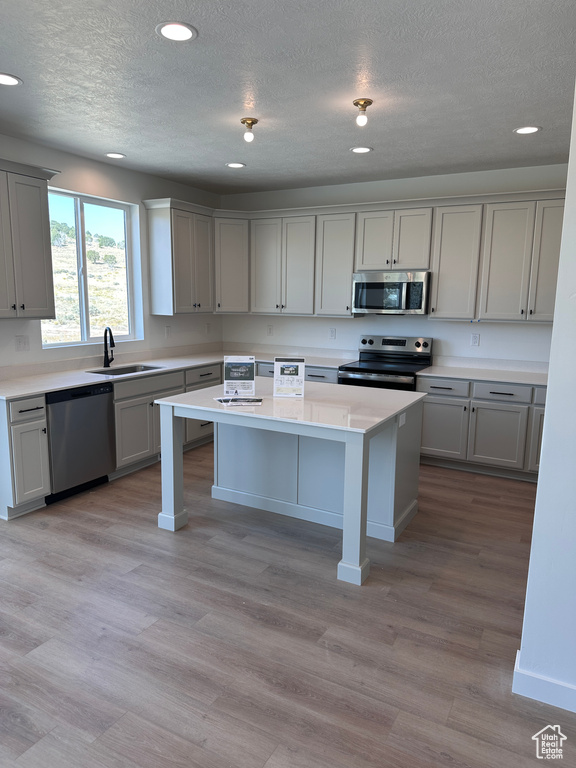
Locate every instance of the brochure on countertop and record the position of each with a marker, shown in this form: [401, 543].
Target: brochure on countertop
[289, 376]
[239, 400]
[239, 372]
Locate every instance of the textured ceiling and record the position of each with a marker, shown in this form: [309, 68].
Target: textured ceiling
[450, 79]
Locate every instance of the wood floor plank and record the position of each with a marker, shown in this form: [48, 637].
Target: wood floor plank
[231, 642]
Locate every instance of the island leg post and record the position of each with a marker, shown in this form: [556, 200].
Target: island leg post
[173, 515]
[355, 566]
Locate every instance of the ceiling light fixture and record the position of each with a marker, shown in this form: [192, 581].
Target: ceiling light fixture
[236, 165]
[249, 122]
[176, 30]
[361, 150]
[6, 79]
[362, 104]
[115, 155]
[527, 129]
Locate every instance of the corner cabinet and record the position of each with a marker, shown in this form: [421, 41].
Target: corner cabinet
[181, 258]
[231, 262]
[26, 282]
[282, 265]
[520, 260]
[334, 263]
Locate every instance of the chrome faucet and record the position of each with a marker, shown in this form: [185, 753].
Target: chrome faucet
[108, 340]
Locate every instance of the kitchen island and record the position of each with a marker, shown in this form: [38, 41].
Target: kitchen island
[343, 456]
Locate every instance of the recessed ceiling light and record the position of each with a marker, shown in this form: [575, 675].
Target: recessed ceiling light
[115, 155]
[236, 165]
[176, 30]
[6, 79]
[361, 150]
[527, 129]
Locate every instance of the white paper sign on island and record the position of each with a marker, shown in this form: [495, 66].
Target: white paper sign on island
[289, 377]
[239, 375]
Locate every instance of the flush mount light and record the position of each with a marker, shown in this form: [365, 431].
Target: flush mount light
[115, 155]
[249, 122]
[236, 165]
[6, 79]
[362, 104]
[361, 150]
[527, 129]
[177, 30]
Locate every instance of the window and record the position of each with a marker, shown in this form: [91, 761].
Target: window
[90, 262]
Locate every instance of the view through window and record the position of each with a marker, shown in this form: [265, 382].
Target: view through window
[89, 262]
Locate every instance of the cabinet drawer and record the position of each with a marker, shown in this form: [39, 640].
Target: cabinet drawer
[539, 395]
[24, 410]
[265, 369]
[327, 375]
[510, 393]
[452, 387]
[204, 375]
[148, 385]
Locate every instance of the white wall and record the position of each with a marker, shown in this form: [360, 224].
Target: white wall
[104, 179]
[546, 663]
[509, 343]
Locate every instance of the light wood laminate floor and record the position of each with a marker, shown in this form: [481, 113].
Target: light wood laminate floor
[231, 644]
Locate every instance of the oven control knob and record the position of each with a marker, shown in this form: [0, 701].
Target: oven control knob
[425, 344]
[363, 341]
[370, 341]
[417, 345]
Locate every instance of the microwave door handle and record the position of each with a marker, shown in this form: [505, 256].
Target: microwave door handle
[404, 295]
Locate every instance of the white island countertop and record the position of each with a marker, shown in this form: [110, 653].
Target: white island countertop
[359, 409]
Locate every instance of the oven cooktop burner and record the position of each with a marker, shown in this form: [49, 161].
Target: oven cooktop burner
[401, 355]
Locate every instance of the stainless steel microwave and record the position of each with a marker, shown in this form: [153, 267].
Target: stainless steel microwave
[390, 293]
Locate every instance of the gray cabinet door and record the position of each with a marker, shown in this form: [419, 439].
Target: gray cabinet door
[445, 427]
[497, 434]
[545, 258]
[535, 444]
[232, 271]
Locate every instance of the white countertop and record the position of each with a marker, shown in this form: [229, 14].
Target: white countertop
[52, 381]
[56, 380]
[534, 378]
[359, 409]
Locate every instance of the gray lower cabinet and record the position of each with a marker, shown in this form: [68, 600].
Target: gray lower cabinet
[137, 418]
[199, 378]
[490, 423]
[445, 427]
[497, 434]
[535, 443]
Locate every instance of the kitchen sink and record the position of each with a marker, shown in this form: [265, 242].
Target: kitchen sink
[123, 369]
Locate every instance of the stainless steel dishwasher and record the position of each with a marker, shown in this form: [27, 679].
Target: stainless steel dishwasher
[81, 438]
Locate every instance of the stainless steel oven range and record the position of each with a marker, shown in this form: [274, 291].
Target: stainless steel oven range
[388, 362]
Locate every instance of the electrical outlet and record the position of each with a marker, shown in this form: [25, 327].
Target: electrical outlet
[269, 330]
[167, 330]
[206, 328]
[331, 333]
[22, 344]
[474, 339]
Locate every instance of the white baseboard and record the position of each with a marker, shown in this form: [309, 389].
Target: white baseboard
[544, 689]
[313, 514]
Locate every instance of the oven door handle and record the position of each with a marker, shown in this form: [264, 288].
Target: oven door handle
[384, 377]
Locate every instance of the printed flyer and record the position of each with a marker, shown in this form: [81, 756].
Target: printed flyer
[239, 375]
[289, 376]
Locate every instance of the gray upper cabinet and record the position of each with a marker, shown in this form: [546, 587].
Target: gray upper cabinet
[334, 263]
[520, 260]
[455, 257]
[395, 239]
[282, 265]
[181, 259]
[26, 282]
[231, 262]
